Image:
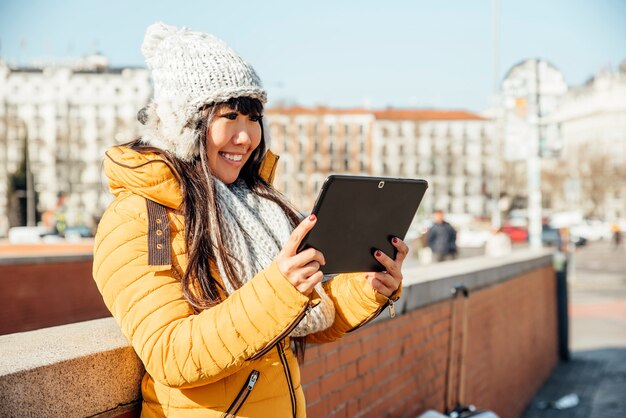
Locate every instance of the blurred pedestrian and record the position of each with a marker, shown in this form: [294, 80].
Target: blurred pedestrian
[498, 244]
[616, 237]
[442, 238]
[197, 255]
[60, 215]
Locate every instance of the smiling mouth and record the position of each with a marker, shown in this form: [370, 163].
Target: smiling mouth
[232, 157]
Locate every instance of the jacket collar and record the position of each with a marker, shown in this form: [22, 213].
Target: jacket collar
[150, 176]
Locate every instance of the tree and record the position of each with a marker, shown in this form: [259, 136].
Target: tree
[17, 192]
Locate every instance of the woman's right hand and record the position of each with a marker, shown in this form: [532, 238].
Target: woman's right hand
[301, 269]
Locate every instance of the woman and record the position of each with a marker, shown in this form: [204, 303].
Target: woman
[196, 256]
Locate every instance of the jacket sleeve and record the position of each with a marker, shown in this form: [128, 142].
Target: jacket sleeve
[356, 303]
[178, 347]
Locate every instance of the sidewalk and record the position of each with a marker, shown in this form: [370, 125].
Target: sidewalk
[598, 377]
[597, 370]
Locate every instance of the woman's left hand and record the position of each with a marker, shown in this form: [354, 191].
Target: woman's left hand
[388, 281]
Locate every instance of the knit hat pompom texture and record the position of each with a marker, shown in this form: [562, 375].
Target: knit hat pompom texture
[190, 70]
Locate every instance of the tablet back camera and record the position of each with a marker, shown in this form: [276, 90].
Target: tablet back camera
[381, 184]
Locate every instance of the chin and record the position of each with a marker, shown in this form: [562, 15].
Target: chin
[228, 178]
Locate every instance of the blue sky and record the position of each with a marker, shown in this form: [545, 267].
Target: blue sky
[353, 53]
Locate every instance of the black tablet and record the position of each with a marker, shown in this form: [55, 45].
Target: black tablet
[356, 215]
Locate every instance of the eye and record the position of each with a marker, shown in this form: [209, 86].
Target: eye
[230, 116]
[256, 118]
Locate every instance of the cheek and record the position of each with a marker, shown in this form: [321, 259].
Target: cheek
[217, 135]
[256, 136]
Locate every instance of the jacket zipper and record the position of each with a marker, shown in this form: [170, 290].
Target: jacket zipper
[292, 392]
[242, 395]
[283, 334]
[392, 314]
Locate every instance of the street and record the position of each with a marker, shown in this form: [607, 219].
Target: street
[596, 374]
[597, 290]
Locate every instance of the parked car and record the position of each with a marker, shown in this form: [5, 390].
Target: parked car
[472, 237]
[552, 237]
[593, 230]
[81, 231]
[25, 234]
[516, 233]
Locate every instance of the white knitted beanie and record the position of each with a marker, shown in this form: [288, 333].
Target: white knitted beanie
[190, 70]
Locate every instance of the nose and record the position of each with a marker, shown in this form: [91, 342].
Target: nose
[242, 136]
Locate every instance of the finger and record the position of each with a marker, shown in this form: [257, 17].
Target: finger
[378, 284]
[390, 282]
[389, 264]
[307, 287]
[305, 257]
[298, 234]
[403, 249]
[309, 270]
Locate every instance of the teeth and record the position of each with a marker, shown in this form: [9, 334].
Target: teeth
[232, 157]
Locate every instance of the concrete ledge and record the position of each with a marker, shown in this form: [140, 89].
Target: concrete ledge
[81, 369]
[12, 260]
[430, 284]
[89, 369]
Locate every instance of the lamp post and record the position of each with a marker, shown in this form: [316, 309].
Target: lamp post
[496, 220]
[534, 161]
[30, 198]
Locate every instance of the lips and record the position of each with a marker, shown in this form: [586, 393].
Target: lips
[232, 157]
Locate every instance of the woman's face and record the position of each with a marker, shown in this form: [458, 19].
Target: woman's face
[230, 140]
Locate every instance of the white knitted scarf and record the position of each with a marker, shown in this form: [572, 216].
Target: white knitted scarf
[255, 230]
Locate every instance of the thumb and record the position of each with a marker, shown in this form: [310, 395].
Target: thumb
[298, 234]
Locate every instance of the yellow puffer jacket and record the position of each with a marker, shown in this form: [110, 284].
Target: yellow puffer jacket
[230, 360]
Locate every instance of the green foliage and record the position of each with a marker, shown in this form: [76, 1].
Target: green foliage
[17, 203]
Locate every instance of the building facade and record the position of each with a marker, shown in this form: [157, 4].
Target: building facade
[69, 114]
[531, 92]
[452, 150]
[315, 142]
[592, 122]
[580, 133]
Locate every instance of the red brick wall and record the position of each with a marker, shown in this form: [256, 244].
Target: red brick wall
[397, 368]
[34, 296]
[392, 368]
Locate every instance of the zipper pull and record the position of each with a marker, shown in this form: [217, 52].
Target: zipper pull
[392, 309]
[252, 381]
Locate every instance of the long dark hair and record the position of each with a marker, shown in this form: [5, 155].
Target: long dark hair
[204, 236]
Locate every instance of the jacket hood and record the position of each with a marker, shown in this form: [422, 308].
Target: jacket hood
[150, 176]
[145, 174]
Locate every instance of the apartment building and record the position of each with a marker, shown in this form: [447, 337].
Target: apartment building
[450, 149]
[69, 114]
[591, 119]
[315, 142]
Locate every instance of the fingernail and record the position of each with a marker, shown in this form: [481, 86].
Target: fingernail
[394, 240]
[312, 217]
[378, 253]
